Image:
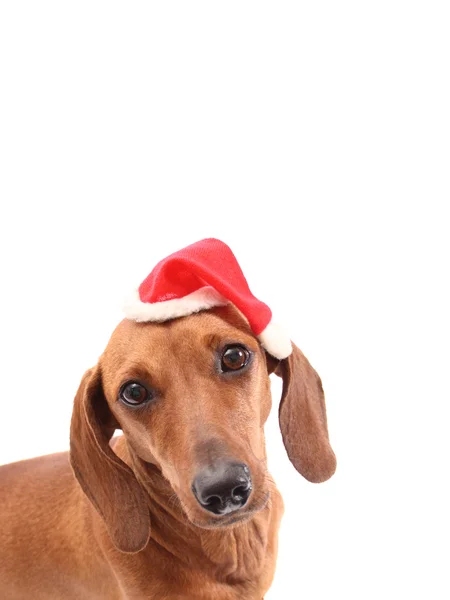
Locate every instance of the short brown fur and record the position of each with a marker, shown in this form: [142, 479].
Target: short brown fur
[127, 525]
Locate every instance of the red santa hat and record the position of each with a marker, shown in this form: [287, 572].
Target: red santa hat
[199, 277]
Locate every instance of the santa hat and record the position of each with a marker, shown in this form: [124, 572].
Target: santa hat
[199, 277]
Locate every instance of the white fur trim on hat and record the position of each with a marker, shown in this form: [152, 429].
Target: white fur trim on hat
[276, 341]
[202, 299]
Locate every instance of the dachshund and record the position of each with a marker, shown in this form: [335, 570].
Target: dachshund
[181, 505]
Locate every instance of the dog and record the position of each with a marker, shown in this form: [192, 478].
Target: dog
[181, 505]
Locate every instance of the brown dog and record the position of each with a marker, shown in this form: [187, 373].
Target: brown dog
[181, 505]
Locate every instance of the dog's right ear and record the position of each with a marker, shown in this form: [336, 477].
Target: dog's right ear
[105, 479]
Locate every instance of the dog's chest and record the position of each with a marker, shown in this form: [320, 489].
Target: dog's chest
[183, 584]
[217, 565]
[242, 561]
[203, 589]
[234, 566]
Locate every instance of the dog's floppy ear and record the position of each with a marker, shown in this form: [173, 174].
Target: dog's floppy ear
[105, 479]
[303, 419]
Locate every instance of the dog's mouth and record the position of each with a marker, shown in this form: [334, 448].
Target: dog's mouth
[232, 517]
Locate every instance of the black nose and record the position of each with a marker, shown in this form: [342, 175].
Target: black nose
[223, 488]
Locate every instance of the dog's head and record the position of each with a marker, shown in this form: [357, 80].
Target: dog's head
[191, 396]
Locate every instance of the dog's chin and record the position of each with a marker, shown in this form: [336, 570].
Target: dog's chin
[201, 518]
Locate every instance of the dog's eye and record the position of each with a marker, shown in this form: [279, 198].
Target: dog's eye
[134, 393]
[234, 358]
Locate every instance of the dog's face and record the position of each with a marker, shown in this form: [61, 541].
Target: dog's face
[191, 396]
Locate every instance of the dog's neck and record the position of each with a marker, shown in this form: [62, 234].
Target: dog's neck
[235, 554]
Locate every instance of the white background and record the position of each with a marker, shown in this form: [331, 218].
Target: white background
[314, 139]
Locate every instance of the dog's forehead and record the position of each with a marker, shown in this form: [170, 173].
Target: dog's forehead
[218, 323]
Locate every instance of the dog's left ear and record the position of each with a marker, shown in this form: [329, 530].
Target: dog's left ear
[105, 479]
[302, 417]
